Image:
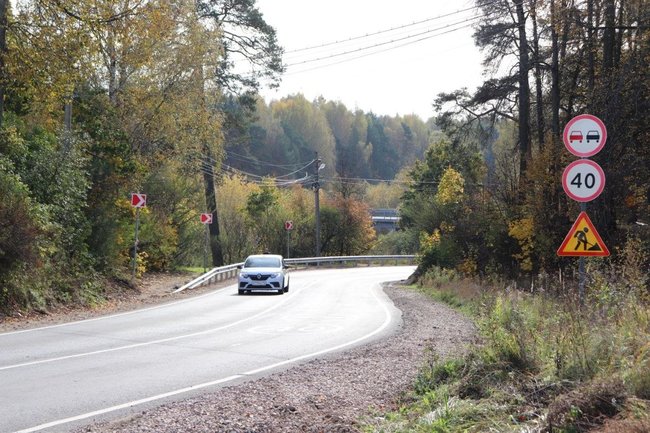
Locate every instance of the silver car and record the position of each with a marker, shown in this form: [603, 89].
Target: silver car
[263, 273]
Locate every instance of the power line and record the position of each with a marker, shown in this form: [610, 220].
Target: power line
[367, 35]
[378, 51]
[280, 180]
[244, 158]
[368, 47]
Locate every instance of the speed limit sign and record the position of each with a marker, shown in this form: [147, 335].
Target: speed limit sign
[583, 180]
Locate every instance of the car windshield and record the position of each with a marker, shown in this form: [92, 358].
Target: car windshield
[262, 262]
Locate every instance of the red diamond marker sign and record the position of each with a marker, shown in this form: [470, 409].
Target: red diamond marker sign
[288, 225]
[206, 218]
[138, 200]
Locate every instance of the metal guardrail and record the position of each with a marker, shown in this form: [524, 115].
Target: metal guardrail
[341, 259]
[230, 271]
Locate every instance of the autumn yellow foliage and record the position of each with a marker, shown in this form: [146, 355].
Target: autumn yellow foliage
[523, 231]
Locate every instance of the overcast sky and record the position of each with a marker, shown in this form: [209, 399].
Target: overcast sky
[430, 50]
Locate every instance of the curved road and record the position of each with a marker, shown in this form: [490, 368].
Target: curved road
[59, 377]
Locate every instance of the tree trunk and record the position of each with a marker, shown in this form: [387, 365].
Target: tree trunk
[211, 204]
[539, 96]
[619, 34]
[556, 199]
[609, 111]
[591, 62]
[3, 54]
[555, 74]
[609, 37]
[524, 91]
[112, 66]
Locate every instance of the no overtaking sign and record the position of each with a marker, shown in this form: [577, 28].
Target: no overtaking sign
[585, 135]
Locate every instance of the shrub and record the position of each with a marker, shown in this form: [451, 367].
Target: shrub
[582, 409]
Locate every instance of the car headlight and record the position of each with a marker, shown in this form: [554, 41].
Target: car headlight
[275, 275]
[243, 275]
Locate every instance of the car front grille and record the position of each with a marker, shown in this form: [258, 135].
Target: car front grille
[271, 285]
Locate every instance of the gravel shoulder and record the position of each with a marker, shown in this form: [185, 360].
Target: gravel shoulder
[333, 393]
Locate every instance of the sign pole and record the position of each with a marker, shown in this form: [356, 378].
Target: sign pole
[205, 249]
[288, 226]
[206, 219]
[581, 269]
[135, 244]
[137, 201]
[583, 180]
[288, 242]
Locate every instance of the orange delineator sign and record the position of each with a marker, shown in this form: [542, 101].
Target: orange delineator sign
[583, 240]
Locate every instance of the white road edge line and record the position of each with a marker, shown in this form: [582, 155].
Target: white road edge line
[383, 326]
[127, 405]
[147, 343]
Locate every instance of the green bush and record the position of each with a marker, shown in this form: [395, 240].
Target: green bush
[397, 242]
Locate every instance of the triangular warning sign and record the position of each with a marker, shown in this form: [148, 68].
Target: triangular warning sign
[583, 240]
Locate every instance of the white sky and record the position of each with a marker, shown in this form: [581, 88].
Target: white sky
[394, 81]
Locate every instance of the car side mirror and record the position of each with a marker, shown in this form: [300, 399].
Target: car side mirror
[238, 266]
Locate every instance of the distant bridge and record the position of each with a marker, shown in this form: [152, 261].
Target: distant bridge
[385, 220]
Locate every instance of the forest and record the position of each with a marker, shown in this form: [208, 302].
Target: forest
[102, 99]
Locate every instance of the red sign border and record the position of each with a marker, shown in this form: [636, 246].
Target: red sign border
[569, 238]
[598, 168]
[288, 225]
[567, 143]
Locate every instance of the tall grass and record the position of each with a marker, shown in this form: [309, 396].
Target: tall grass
[545, 362]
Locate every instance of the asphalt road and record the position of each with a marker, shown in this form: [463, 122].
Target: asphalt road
[59, 377]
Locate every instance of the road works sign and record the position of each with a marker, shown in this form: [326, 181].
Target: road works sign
[585, 135]
[583, 180]
[138, 200]
[583, 240]
[206, 218]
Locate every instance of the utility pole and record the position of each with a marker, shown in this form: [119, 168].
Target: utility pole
[67, 122]
[316, 187]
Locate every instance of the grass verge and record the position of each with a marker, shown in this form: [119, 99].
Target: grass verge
[543, 365]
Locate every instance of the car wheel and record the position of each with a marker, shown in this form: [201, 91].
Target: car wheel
[286, 289]
[241, 292]
[281, 292]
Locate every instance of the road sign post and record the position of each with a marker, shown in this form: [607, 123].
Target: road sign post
[206, 220]
[288, 226]
[583, 180]
[138, 201]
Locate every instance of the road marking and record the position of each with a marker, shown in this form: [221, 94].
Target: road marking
[130, 404]
[127, 405]
[287, 328]
[149, 343]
